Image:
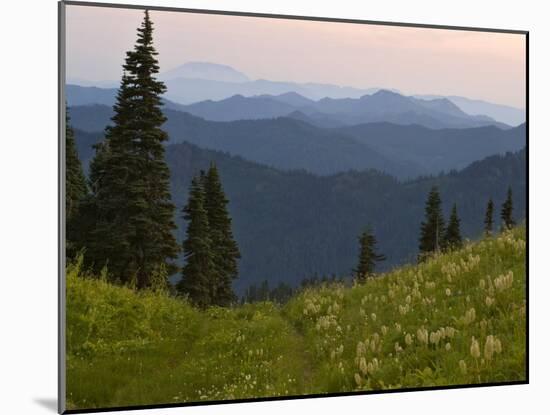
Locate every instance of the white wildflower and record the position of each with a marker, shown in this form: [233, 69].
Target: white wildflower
[474, 348]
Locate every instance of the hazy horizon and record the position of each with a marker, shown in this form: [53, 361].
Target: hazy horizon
[478, 65]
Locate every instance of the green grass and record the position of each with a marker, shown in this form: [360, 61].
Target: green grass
[412, 327]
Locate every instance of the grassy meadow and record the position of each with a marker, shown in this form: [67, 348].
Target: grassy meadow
[459, 318]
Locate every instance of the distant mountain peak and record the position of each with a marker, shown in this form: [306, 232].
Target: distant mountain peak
[384, 95]
[385, 92]
[236, 97]
[207, 71]
[290, 94]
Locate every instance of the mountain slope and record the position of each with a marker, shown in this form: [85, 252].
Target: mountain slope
[437, 150]
[387, 106]
[90, 96]
[238, 107]
[205, 71]
[292, 208]
[417, 326]
[278, 215]
[284, 143]
[503, 113]
[382, 106]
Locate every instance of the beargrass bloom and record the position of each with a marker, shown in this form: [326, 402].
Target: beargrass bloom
[474, 348]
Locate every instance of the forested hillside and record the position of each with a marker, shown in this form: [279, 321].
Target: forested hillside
[277, 216]
[287, 143]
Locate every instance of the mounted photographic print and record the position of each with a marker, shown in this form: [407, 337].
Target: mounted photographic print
[260, 207]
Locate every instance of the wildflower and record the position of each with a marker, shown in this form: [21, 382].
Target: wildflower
[370, 367]
[448, 292]
[363, 366]
[373, 317]
[384, 330]
[474, 348]
[504, 282]
[489, 301]
[483, 325]
[450, 332]
[435, 336]
[422, 335]
[489, 348]
[497, 346]
[463, 368]
[469, 317]
[482, 284]
[358, 379]
[408, 339]
[341, 367]
[448, 346]
[360, 350]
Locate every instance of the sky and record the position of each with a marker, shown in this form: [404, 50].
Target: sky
[480, 65]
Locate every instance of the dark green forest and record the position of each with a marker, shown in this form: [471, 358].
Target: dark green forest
[292, 225]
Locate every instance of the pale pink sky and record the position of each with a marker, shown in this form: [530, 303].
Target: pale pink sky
[489, 66]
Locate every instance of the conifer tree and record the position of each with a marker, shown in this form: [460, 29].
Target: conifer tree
[367, 256]
[433, 228]
[452, 238]
[488, 222]
[75, 191]
[225, 249]
[198, 271]
[75, 182]
[506, 211]
[133, 232]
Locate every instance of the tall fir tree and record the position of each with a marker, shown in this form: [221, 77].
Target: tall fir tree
[488, 221]
[225, 249]
[506, 211]
[368, 257]
[433, 228]
[199, 269]
[76, 191]
[132, 208]
[75, 181]
[452, 238]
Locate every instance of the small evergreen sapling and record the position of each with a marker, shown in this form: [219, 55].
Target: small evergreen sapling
[452, 238]
[433, 228]
[506, 211]
[488, 222]
[368, 257]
